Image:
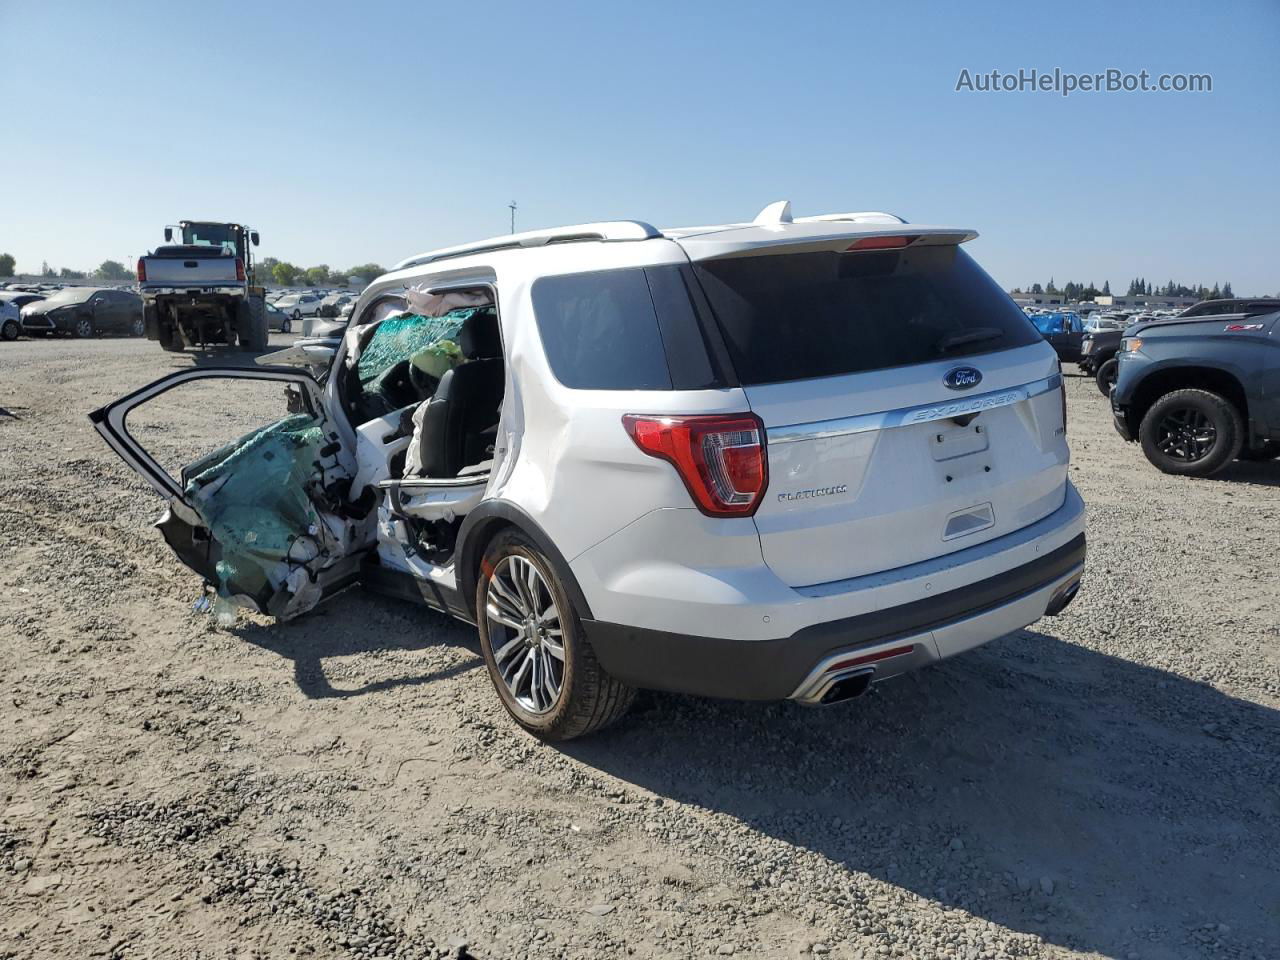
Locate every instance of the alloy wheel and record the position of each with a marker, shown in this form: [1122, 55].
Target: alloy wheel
[84, 328]
[1185, 434]
[527, 638]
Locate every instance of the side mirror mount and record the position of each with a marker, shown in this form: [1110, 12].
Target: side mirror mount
[168, 234]
[253, 237]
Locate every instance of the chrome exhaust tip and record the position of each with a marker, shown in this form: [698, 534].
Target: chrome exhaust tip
[842, 687]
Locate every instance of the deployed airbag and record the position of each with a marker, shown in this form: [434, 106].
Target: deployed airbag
[259, 497]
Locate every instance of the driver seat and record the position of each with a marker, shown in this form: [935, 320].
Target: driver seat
[462, 417]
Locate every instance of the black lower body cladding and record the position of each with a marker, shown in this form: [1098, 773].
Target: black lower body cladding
[773, 669]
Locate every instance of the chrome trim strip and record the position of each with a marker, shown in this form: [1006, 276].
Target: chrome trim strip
[813, 686]
[905, 416]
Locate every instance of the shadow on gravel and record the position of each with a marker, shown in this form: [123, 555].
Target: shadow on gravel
[344, 630]
[1265, 473]
[1102, 805]
[221, 355]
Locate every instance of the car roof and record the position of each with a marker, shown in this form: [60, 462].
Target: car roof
[773, 226]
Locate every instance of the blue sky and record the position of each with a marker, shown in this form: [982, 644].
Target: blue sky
[355, 132]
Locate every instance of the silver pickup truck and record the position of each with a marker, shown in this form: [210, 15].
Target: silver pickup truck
[201, 290]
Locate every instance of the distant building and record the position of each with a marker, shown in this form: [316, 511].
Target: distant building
[1106, 301]
[1158, 300]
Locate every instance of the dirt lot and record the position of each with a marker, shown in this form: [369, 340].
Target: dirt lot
[1104, 784]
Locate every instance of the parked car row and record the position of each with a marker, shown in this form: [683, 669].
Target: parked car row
[87, 312]
[72, 311]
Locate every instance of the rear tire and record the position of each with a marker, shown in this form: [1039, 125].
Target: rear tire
[10, 330]
[1106, 376]
[169, 337]
[286, 325]
[1191, 433]
[251, 324]
[537, 618]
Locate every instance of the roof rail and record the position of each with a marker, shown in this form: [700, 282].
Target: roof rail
[609, 230]
[865, 216]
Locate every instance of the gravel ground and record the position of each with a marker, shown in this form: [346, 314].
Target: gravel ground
[1103, 784]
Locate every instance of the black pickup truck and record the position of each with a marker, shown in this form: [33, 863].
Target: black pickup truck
[1202, 389]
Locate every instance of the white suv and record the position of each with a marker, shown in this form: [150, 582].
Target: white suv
[767, 460]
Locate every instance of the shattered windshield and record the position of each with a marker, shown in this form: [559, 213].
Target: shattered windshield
[426, 342]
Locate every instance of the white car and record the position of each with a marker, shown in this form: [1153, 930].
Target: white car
[10, 321]
[299, 305]
[782, 459]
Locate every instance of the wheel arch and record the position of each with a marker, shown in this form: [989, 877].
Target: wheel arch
[1192, 377]
[484, 523]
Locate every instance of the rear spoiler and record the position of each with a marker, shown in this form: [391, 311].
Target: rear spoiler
[806, 236]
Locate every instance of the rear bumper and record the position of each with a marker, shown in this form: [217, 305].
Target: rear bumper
[888, 641]
[195, 290]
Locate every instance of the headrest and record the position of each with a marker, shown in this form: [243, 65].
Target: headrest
[478, 339]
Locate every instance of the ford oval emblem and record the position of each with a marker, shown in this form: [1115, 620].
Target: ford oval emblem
[962, 378]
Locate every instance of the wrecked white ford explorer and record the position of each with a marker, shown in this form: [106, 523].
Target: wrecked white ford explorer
[779, 459]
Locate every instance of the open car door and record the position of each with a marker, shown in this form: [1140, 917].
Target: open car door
[265, 518]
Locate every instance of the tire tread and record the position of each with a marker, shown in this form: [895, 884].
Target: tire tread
[1215, 461]
[596, 699]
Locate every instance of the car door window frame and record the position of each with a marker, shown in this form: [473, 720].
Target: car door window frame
[112, 421]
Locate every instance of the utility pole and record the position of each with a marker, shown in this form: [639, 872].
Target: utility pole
[512, 207]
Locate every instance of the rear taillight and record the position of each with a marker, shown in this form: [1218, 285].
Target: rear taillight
[239, 270]
[142, 270]
[721, 459]
[880, 243]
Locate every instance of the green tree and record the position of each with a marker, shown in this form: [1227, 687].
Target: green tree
[1226, 291]
[6, 264]
[1106, 288]
[66, 273]
[1036, 288]
[112, 270]
[318, 275]
[366, 272]
[285, 274]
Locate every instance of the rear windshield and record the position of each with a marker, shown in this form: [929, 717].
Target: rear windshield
[803, 315]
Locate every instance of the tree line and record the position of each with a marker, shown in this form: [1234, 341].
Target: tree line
[1138, 287]
[287, 275]
[270, 270]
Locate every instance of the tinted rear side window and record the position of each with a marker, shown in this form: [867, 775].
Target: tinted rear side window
[600, 331]
[802, 315]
